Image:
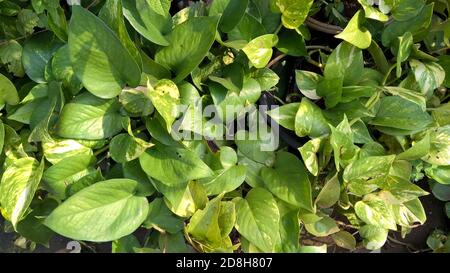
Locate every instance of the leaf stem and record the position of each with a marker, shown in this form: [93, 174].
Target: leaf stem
[93, 3]
[311, 61]
[388, 73]
[276, 60]
[312, 47]
[323, 27]
[102, 150]
[4, 42]
[278, 29]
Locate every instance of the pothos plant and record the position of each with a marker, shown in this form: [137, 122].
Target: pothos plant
[90, 94]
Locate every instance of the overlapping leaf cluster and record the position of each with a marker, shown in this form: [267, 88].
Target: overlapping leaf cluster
[89, 94]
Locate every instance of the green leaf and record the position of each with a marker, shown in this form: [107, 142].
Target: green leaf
[225, 180]
[57, 150]
[418, 150]
[125, 244]
[376, 213]
[439, 153]
[403, 10]
[288, 180]
[440, 191]
[32, 227]
[184, 199]
[444, 62]
[27, 20]
[86, 217]
[344, 239]
[309, 120]
[189, 44]
[329, 194]
[172, 165]
[259, 50]
[372, 12]
[257, 219]
[410, 213]
[374, 237]
[132, 170]
[37, 52]
[8, 92]
[440, 174]
[361, 134]
[355, 33]
[173, 243]
[2, 136]
[211, 226]
[89, 179]
[62, 70]
[294, 12]
[232, 14]
[428, 75]
[289, 228]
[405, 44]
[11, 57]
[367, 172]
[152, 68]
[99, 60]
[58, 23]
[59, 176]
[165, 96]
[410, 95]
[322, 228]
[247, 29]
[18, 185]
[291, 43]
[150, 18]
[253, 177]
[285, 115]
[112, 14]
[228, 157]
[313, 249]
[346, 63]
[309, 155]
[398, 113]
[24, 112]
[125, 148]
[266, 78]
[436, 239]
[257, 149]
[343, 68]
[136, 102]
[413, 25]
[89, 117]
[307, 83]
[342, 142]
[161, 218]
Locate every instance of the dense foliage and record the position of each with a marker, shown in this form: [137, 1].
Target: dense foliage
[90, 123]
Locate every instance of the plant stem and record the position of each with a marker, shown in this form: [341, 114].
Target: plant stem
[439, 50]
[278, 28]
[276, 60]
[323, 27]
[103, 149]
[311, 61]
[93, 3]
[23, 37]
[326, 48]
[388, 73]
[409, 246]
